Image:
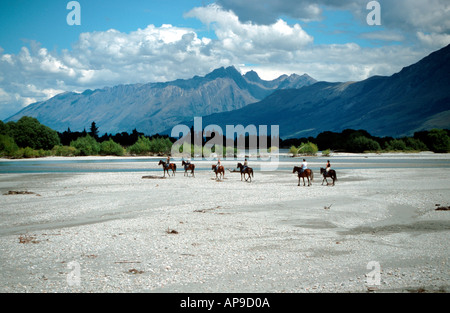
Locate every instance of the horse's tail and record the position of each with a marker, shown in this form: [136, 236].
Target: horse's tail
[335, 175]
[312, 175]
[252, 173]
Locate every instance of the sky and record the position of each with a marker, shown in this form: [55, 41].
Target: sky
[141, 41]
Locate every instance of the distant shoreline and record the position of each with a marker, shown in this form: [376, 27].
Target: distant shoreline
[319, 155]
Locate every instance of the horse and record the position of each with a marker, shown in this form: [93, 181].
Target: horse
[188, 166]
[330, 173]
[248, 171]
[306, 173]
[219, 171]
[172, 166]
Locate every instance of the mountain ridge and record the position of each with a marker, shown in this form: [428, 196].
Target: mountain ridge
[414, 99]
[153, 107]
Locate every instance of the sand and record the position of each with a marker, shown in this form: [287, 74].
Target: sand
[376, 230]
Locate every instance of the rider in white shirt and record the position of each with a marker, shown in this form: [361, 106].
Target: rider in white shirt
[304, 166]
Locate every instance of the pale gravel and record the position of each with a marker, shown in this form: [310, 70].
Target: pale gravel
[266, 236]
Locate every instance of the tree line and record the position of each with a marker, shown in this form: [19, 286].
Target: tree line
[28, 138]
[359, 141]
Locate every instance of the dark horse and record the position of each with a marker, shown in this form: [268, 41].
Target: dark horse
[188, 167]
[330, 173]
[172, 166]
[219, 171]
[248, 171]
[306, 173]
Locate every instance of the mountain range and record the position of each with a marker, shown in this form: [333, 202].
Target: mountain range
[153, 107]
[416, 98]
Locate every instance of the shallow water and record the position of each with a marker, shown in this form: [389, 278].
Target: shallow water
[285, 163]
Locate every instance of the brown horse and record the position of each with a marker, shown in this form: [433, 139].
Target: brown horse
[171, 166]
[219, 171]
[330, 173]
[248, 171]
[306, 173]
[188, 167]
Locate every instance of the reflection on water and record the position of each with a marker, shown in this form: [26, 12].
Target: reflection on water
[130, 164]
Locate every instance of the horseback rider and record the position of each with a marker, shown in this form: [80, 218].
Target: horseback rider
[168, 162]
[245, 165]
[218, 165]
[327, 167]
[304, 166]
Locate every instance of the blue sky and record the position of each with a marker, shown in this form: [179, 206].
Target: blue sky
[139, 41]
[44, 21]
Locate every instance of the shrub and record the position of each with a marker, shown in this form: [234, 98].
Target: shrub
[308, 148]
[111, 148]
[439, 141]
[326, 153]
[293, 150]
[415, 144]
[86, 146]
[396, 145]
[141, 147]
[7, 146]
[30, 153]
[361, 143]
[65, 151]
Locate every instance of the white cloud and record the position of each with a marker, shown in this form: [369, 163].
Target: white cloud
[239, 37]
[434, 40]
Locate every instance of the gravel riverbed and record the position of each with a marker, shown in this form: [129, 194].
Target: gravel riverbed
[376, 230]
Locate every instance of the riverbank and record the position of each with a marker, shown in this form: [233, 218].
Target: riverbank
[183, 234]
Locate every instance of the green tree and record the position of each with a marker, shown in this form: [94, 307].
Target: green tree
[396, 145]
[86, 146]
[361, 144]
[94, 131]
[414, 144]
[7, 146]
[439, 141]
[28, 132]
[111, 148]
[141, 147]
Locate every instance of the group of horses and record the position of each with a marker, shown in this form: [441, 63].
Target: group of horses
[247, 172]
[309, 175]
[219, 170]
